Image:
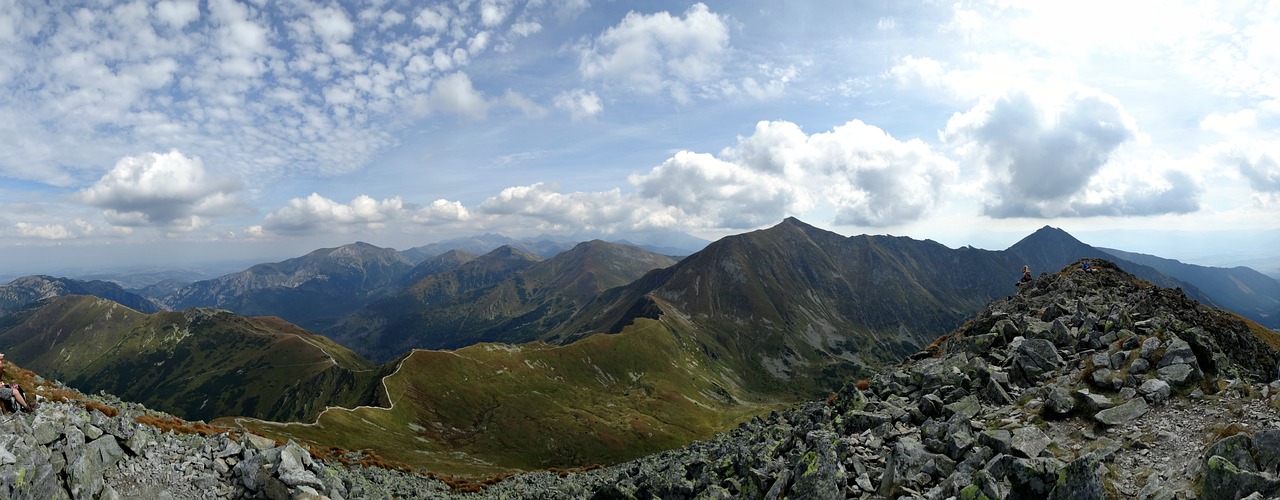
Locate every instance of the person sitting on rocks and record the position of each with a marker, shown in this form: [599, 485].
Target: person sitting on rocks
[12, 392]
[1026, 275]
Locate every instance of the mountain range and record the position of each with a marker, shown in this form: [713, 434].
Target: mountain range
[630, 347]
[27, 291]
[1085, 384]
[320, 286]
[506, 295]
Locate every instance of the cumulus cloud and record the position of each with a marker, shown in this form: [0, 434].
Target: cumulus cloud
[579, 103]
[1039, 153]
[53, 231]
[1154, 187]
[731, 194]
[1255, 161]
[862, 174]
[162, 189]
[543, 207]
[316, 213]
[455, 94]
[177, 13]
[651, 53]
[868, 176]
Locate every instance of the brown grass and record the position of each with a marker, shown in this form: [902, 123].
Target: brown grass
[863, 384]
[1221, 431]
[101, 408]
[179, 426]
[370, 458]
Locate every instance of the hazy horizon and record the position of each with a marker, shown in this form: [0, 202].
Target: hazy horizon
[181, 131]
[216, 262]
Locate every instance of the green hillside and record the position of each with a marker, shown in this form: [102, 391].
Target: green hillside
[492, 408]
[198, 364]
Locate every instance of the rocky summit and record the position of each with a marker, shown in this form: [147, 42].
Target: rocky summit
[1084, 384]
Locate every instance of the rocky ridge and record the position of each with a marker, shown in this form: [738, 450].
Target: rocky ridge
[101, 447]
[1082, 385]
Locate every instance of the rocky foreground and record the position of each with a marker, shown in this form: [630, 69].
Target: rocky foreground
[1083, 385]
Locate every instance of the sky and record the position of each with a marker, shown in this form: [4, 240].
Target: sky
[178, 131]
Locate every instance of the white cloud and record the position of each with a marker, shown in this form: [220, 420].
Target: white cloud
[162, 189]
[657, 52]
[579, 103]
[440, 211]
[316, 214]
[1039, 150]
[776, 80]
[332, 24]
[177, 13]
[725, 193]
[1256, 161]
[526, 28]
[455, 94]
[869, 177]
[606, 211]
[493, 12]
[264, 89]
[1231, 123]
[433, 19]
[45, 232]
[391, 18]
[524, 104]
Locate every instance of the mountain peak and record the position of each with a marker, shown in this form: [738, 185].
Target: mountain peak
[1048, 237]
[794, 222]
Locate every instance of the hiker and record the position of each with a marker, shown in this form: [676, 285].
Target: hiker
[12, 392]
[1026, 275]
[1084, 266]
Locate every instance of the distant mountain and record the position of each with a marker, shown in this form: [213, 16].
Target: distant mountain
[485, 243]
[447, 261]
[671, 243]
[1247, 292]
[161, 289]
[308, 290]
[141, 279]
[792, 308]
[796, 308]
[504, 296]
[198, 364]
[1051, 248]
[27, 291]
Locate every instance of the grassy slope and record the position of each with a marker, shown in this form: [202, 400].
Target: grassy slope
[199, 364]
[492, 408]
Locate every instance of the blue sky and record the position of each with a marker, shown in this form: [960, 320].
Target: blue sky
[172, 131]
